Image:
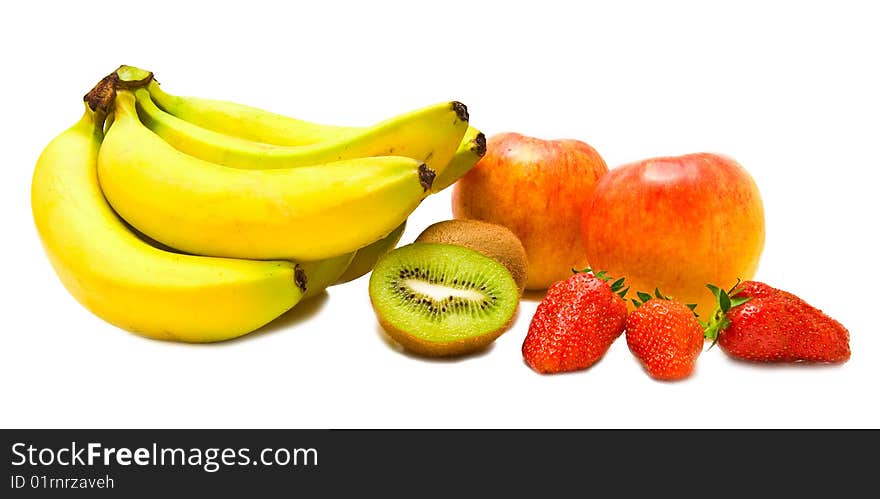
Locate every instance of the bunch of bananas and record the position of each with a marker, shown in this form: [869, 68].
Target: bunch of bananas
[197, 220]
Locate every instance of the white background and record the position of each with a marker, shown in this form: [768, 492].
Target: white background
[789, 89]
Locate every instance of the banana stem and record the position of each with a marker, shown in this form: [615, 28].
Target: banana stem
[100, 98]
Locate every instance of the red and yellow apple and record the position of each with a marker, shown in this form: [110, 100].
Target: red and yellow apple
[536, 188]
[676, 223]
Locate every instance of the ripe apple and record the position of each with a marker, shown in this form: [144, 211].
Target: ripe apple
[676, 223]
[537, 189]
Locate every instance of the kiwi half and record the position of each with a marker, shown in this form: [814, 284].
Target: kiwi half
[493, 240]
[442, 299]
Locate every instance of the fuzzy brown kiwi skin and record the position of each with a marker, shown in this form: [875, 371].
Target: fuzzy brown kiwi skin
[492, 240]
[444, 349]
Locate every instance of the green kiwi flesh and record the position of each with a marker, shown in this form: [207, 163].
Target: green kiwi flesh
[441, 299]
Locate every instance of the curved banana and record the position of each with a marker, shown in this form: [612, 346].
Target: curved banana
[253, 124]
[472, 148]
[131, 284]
[240, 120]
[305, 213]
[244, 121]
[430, 135]
[365, 258]
[233, 119]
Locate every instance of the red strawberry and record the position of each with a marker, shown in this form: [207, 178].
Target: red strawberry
[665, 336]
[575, 324]
[760, 323]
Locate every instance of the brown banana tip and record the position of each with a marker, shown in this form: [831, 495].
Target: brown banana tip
[460, 110]
[300, 278]
[426, 176]
[101, 96]
[479, 144]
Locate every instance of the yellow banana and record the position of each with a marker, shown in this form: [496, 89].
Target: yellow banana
[430, 135]
[305, 213]
[472, 148]
[239, 120]
[131, 284]
[257, 125]
[244, 121]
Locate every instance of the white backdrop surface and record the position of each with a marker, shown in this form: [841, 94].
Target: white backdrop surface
[789, 89]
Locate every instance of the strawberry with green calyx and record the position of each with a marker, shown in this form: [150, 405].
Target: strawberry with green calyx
[576, 323]
[665, 335]
[756, 322]
[724, 302]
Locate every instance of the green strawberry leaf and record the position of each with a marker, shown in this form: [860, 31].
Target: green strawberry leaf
[643, 296]
[718, 322]
[736, 301]
[724, 301]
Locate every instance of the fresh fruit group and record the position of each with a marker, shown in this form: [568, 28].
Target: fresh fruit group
[536, 188]
[694, 219]
[441, 299]
[665, 336]
[575, 324]
[492, 240]
[759, 323]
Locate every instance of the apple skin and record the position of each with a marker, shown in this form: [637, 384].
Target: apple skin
[536, 188]
[676, 223]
